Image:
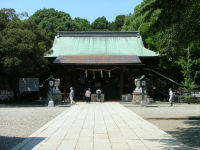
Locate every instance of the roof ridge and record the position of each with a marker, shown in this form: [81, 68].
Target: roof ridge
[97, 33]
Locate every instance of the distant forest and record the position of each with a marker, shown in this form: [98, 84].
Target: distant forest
[170, 28]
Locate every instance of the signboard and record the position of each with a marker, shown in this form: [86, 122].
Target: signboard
[28, 84]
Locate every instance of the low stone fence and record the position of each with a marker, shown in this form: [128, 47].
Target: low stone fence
[183, 96]
[6, 94]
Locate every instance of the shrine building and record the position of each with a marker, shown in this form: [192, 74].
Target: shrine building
[109, 61]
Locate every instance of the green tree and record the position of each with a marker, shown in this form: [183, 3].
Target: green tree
[79, 24]
[119, 22]
[186, 64]
[181, 31]
[52, 21]
[141, 15]
[7, 15]
[23, 46]
[10, 13]
[3, 20]
[100, 24]
[128, 23]
[168, 27]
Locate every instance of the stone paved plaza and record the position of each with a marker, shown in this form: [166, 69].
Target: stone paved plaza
[99, 126]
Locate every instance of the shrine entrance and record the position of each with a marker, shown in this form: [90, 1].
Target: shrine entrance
[113, 81]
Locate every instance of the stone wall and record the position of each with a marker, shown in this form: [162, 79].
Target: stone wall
[94, 97]
[138, 97]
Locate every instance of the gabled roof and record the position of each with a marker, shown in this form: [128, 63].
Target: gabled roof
[99, 43]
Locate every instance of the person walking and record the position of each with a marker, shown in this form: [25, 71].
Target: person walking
[98, 91]
[88, 95]
[71, 95]
[171, 95]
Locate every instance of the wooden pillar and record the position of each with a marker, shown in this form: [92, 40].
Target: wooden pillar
[121, 82]
[73, 77]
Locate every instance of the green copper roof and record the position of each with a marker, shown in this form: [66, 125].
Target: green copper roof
[99, 43]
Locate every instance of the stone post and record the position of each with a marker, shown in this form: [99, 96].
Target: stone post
[139, 93]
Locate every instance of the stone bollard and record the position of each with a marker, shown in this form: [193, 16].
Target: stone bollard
[51, 104]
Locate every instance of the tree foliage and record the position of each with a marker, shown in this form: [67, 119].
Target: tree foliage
[186, 65]
[100, 24]
[118, 23]
[170, 28]
[22, 47]
[79, 24]
[52, 21]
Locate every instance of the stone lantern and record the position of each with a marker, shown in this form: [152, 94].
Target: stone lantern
[51, 83]
[139, 94]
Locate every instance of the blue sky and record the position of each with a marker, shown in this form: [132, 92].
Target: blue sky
[89, 9]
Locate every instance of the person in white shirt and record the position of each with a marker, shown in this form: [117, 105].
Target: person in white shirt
[71, 95]
[98, 95]
[88, 95]
[171, 95]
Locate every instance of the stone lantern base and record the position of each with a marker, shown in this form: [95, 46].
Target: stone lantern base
[51, 104]
[137, 96]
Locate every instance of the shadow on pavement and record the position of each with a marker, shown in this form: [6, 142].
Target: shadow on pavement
[189, 136]
[63, 105]
[19, 105]
[7, 143]
[166, 144]
[151, 106]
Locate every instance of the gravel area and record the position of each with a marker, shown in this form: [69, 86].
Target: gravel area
[17, 123]
[182, 121]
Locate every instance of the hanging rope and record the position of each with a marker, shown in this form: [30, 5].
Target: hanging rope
[97, 70]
